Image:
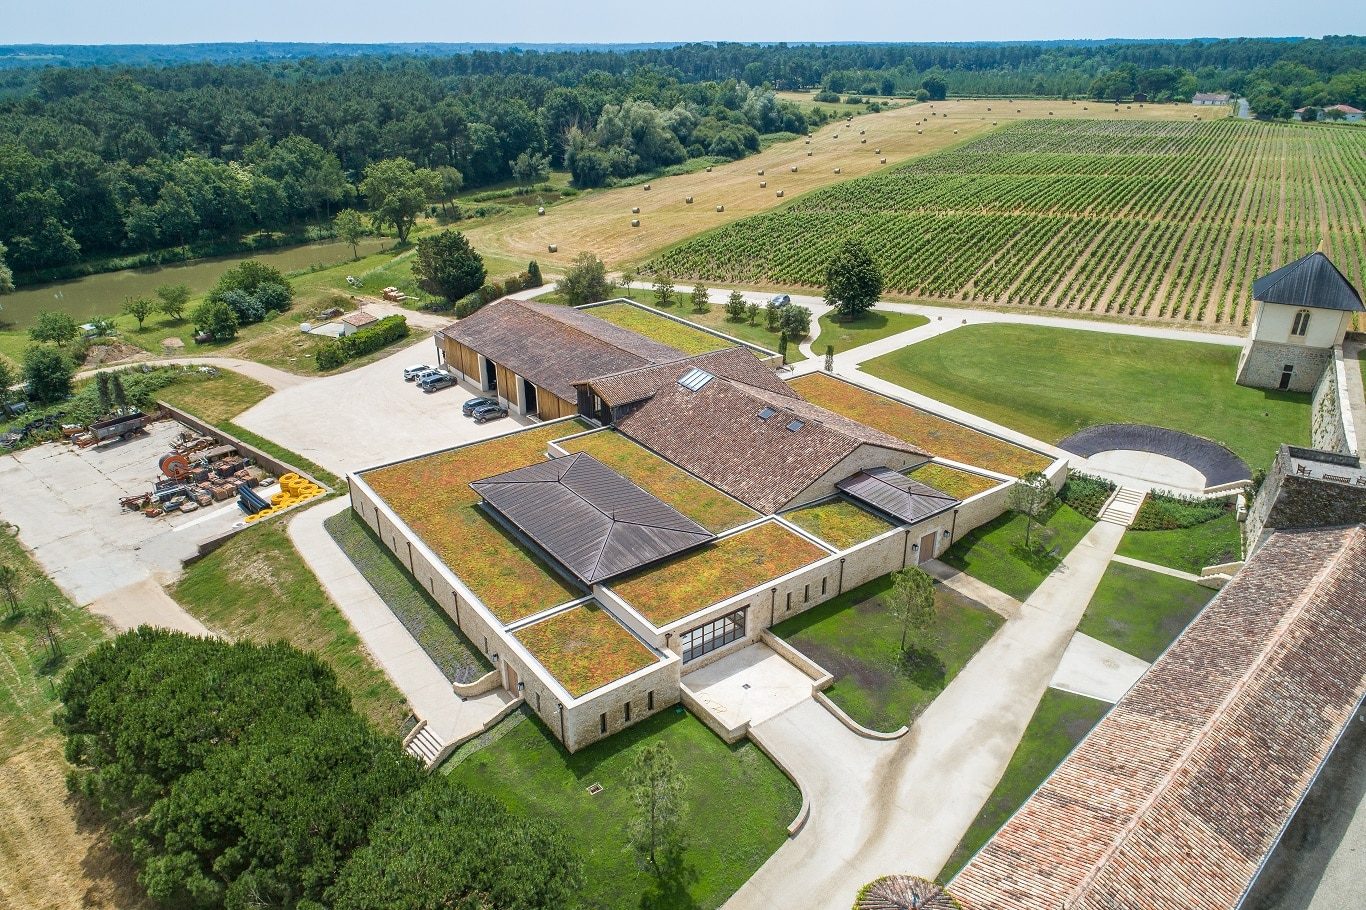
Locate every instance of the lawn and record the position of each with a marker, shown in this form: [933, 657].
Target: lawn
[958, 484]
[675, 334]
[738, 806]
[712, 573]
[695, 498]
[937, 435]
[215, 398]
[1050, 383]
[838, 522]
[857, 639]
[433, 496]
[256, 586]
[1141, 612]
[871, 326]
[1188, 549]
[995, 553]
[459, 660]
[1060, 722]
[585, 648]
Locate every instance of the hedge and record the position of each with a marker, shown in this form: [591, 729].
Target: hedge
[382, 334]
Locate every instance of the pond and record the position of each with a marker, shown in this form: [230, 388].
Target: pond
[103, 295]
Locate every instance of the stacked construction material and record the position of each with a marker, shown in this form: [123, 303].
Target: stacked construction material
[293, 490]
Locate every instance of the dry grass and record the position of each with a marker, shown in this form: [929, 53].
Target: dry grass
[958, 484]
[936, 435]
[660, 328]
[838, 522]
[712, 573]
[695, 498]
[585, 648]
[433, 496]
[600, 221]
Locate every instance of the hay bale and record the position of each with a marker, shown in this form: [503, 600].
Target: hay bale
[763, 184]
[647, 187]
[837, 170]
[635, 222]
[540, 210]
[919, 132]
[709, 169]
[861, 132]
[688, 200]
[552, 248]
[882, 161]
[635, 210]
[720, 208]
[863, 141]
[761, 172]
[955, 132]
[780, 194]
[808, 154]
[877, 151]
[794, 168]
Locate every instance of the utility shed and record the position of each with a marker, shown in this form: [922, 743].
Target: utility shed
[895, 494]
[594, 522]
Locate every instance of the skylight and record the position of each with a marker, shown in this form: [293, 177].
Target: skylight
[694, 379]
[766, 413]
[795, 425]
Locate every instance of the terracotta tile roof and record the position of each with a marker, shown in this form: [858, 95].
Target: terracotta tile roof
[716, 433]
[359, 318]
[553, 346]
[1179, 794]
[736, 363]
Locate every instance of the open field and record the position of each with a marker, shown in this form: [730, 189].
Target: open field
[600, 221]
[585, 648]
[738, 805]
[1141, 612]
[216, 398]
[1163, 221]
[1050, 383]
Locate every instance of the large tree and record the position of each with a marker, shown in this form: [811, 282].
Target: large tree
[656, 790]
[54, 326]
[397, 191]
[1031, 496]
[215, 318]
[447, 265]
[911, 603]
[48, 374]
[585, 281]
[853, 282]
[139, 308]
[351, 228]
[172, 300]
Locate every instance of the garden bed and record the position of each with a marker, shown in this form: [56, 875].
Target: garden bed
[958, 484]
[838, 522]
[1141, 612]
[1086, 494]
[585, 648]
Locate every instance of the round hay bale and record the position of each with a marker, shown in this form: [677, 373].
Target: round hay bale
[709, 169]
[877, 151]
[540, 210]
[647, 187]
[955, 132]
[808, 154]
[794, 168]
[919, 132]
[635, 210]
[688, 200]
[635, 222]
[883, 161]
[863, 141]
[552, 248]
[861, 132]
[720, 208]
[808, 142]
[837, 170]
[761, 172]
[763, 184]
[780, 194]
[1018, 111]
[993, 123]
[904, 892]
[988, 110]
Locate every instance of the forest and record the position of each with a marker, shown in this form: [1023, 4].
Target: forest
[105, 161]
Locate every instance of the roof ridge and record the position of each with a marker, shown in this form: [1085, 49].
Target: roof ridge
[1328, 572]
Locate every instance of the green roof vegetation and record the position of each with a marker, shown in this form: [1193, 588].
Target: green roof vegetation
[585, 648]
[958, 484]
[660, 328]
[838, 522]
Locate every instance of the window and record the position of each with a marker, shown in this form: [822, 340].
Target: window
[650, 700]
[626, 712]
[602, 722]
[823, 583]
[788, 605]
[1301, 324]
[713, 635]
[806, 594]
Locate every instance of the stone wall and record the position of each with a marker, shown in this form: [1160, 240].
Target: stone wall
[1262, 362]
[1331, 414]
[1306, 488]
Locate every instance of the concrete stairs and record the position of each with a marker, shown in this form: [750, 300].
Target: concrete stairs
[424, 745]
[1123, 506]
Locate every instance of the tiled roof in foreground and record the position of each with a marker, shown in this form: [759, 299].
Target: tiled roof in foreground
[1178, 795]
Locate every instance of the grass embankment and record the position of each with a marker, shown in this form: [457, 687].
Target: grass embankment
[458, 659]
[257, 586]
[1209, 543]
[871, 326]
[1060, 722]
[855, 637]
[1050, 383]
[838, 522]
[738, 807]
[995, 552]
[1141, 612]
[958, 484]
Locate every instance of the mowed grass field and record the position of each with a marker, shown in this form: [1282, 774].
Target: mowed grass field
[1168, 221]
[1050, 383]
[600, 221]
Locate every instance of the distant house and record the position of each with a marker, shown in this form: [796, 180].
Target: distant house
[1210, 98]
[1349, 113]
[352, 323]
[1339, 112]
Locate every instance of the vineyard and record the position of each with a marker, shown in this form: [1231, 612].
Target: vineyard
[1167, 221]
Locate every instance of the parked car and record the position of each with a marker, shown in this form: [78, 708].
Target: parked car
[474, 404]
[427, 374]
[489, 412]
[411, 373]
[780, 301]
[438, 381]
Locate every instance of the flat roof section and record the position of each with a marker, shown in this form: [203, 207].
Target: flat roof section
[585, 648]
[595, 522]
[895, 494]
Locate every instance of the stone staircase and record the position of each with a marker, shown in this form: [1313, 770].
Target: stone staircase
[1123, 506]
[423, 744]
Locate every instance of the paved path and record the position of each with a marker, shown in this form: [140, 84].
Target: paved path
[902, 806]
[390, 644]
[1154, 567]
[1091, 667]
[1351, 353]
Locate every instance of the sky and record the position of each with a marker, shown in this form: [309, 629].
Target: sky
[609, 21]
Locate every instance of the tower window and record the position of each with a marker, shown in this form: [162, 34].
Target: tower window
[1300, 327]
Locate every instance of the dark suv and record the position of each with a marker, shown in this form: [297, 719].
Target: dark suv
[475, 404]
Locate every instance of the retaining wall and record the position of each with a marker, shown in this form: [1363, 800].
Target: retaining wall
[1331, 428]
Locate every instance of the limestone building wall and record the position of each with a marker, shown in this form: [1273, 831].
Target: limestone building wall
[1262, 364]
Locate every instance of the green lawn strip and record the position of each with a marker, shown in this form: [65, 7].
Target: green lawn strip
[28, 671]
[318, 471]
[257, 586]
[857, 639]
[738, 806]
[838, 522]
[1050, 383]
[215, 398]
[1060, 722]
[659, 328]
[994, 553]
[585, 648]
[457, 658]
[871, 326]
[958, 484]
[1141, 612]
[695, 498]
[1188, 549]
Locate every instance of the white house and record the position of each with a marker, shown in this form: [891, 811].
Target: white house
[1209, 98]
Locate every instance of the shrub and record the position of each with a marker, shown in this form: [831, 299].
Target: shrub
[468, 304]
[380, 335]
[827, 96]
[215, 318]
[1086, 494]
[1168, 511]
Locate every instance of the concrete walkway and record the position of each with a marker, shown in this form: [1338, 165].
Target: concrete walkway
[1351, 355]
[1092, 668]
[972, 589]
[390, 645]
[902, 806]
[1154, 567]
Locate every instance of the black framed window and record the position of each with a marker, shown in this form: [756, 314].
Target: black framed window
[710, 636]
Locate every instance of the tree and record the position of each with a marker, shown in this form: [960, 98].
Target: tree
[1031, 496]
[215, 319]
[349, 227]
[936, 89]
[585, 281]
[795, 322]
[451, 182]
[447, 265]
[911, 603]
[398, 190]
[656, 790]
[664, 291]
[45, 620]
[54, 326]
[829, 358]
[48, 374]
[752, 311]
[7, 378]
[853, 282]
[735, 307]
[782, 348]
[139, 308]
[701, 303]
[9, 587]
[249, 276]
[118, 393]
[173, 298]
[530, 169]
[106, 396]
[443, 835]
[6, 276]
[772, 313]
[533, 275]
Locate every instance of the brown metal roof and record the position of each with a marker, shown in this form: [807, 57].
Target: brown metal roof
[1310, 281]
[736, 363]
[896, 494]
[553, 346]
[595, 522]
[1177, 797]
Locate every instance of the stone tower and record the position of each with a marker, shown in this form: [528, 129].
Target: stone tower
[1303, 311]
